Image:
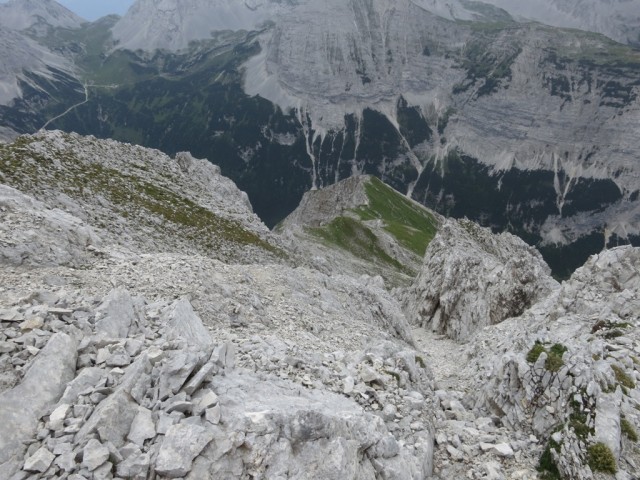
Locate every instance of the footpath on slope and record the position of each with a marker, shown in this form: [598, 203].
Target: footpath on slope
[468, 444]
[446, 357]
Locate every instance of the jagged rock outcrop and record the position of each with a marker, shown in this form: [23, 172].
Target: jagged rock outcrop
[319, 207]
[180, 365]
[472, 278]
[569, 367]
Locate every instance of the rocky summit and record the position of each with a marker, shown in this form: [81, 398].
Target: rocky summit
[152, 327]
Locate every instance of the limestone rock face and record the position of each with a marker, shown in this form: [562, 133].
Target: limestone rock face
[160, 356]
[20, 54]
[307, 433]
[61, 237]
[471, 278]
[40, 389]
[584, 375]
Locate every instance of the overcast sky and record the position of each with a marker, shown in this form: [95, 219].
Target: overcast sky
[93, 9]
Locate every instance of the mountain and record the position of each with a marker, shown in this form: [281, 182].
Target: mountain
[33, 82]
[617, 19]
[519, 126]
[37, 16]
[151, 326]
[363, 223]
[173, 24]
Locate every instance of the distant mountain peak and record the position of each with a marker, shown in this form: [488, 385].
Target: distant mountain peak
[25, 14]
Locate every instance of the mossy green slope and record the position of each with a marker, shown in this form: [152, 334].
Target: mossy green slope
[136, 197]
[411, 226]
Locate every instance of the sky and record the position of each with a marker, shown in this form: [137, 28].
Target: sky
[94, 9]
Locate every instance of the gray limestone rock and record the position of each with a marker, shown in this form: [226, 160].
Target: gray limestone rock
[181, 322]
[135, 466]
[180, 446]
[42, 385]
[472, 278]
[40, 461]
[142, 427]
[60, 238]
[56, 419]
[213, 414]
[177, 368]
[111, 419]
[94, 455]
[116, 314]
[87, 378]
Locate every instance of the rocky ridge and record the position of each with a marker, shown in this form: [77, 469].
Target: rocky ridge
[568, 369]
[274, 368]
[138, 196]
[135, 351]
[472, 278]
[37, 16]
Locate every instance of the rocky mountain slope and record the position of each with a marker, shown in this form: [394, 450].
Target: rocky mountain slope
[137, 338]
[37, 16]
[362, 222]
[618, 19]
[514, 125]
[159, 330]
[164, 29]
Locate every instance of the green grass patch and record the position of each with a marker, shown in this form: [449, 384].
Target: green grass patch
[410, 224]
[622, 378]
[535, 352]
[601, 459]
[131, 196]
[628, 430]
[354, 237]
[554, 361]
[547, 465]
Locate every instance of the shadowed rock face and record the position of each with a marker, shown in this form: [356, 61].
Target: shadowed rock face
[471, 278]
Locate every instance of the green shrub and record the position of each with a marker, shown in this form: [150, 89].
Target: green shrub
[547, 465]
[628, 430]
[553, 363]
[601, 459]
[613, 334]
[535, 352]
[558, 349]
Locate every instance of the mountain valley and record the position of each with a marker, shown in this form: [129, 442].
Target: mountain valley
[507, 123]
[152, 310]
[348, 240]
